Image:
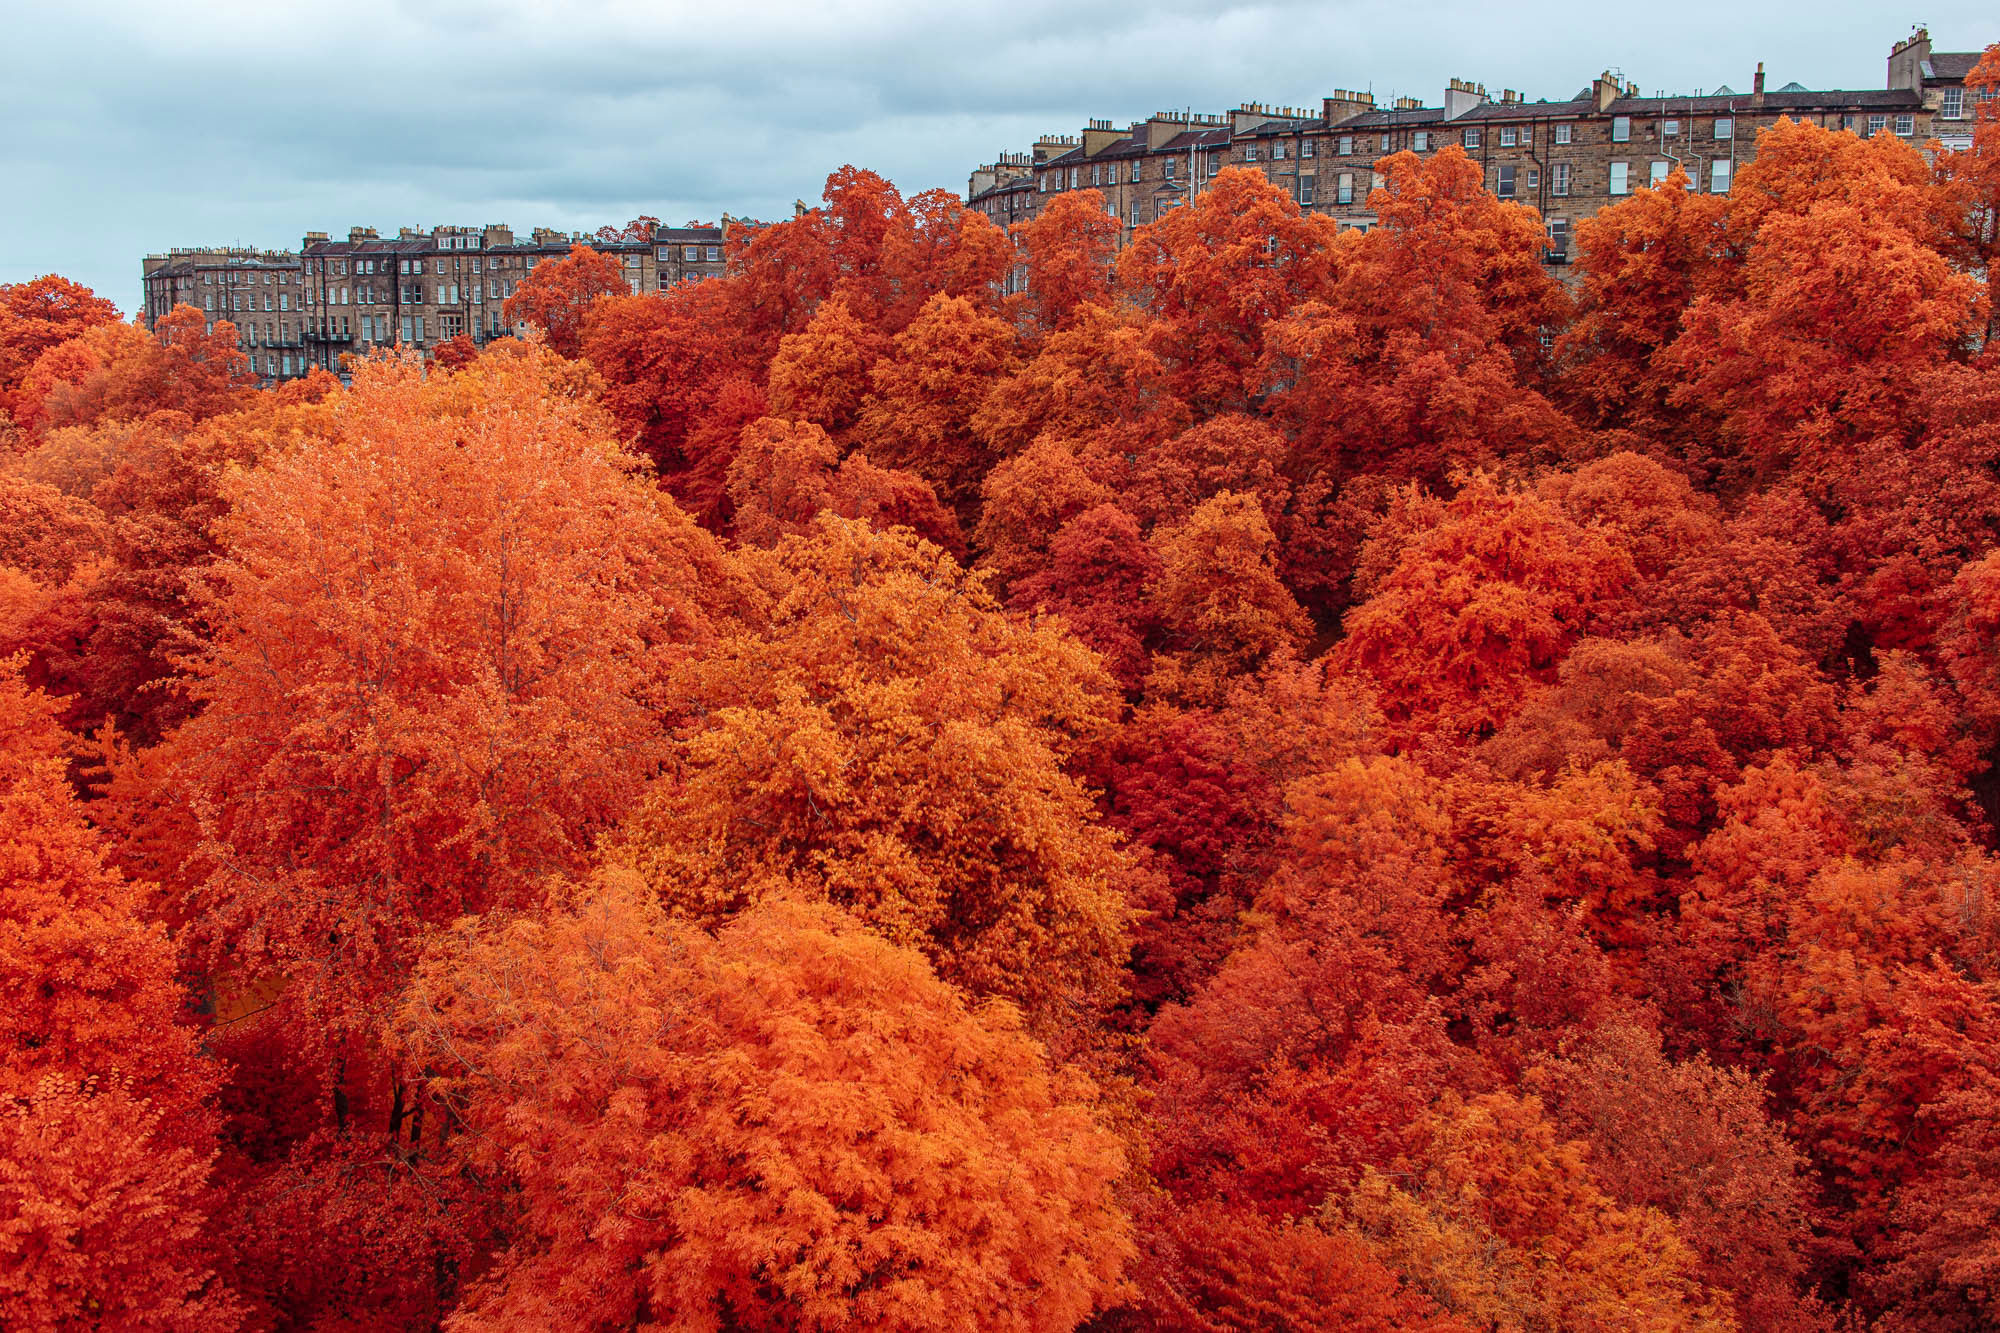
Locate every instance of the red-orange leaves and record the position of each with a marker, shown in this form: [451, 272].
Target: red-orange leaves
[1069, 246]
[791, 1124]
[437, 633]
[38, 315]
[1478, 607]
[557, 295]
[891, 741]
[926, 390]
[105, 1138]
[1818, 337]
[1498, 1220]
[1220, 603]
[1216, 273]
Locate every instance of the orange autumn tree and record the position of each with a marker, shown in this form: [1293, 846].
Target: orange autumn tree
[890, 740]
[557, 295]
[820, 373]
[946, 249]
[106, 1131]
[1025, 501]
[121, 372]
[1098, 384]
[1223, 611]
[784, 474]
[437, 632]
[1497, 1219]
[1641, 262]
[788, 1124]
[925, 390]
[159, 500]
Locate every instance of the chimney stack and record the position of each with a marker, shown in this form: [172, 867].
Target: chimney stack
[1757, 86]
[1906, 61]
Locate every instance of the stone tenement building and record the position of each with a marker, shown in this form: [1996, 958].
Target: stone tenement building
[1568, 158]
[294, 311]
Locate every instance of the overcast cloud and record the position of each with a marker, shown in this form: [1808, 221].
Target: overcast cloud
[132, 127]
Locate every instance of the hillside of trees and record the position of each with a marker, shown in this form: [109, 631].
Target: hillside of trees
[1281, 779]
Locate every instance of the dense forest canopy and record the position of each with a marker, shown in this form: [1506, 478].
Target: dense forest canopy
[1281, 778]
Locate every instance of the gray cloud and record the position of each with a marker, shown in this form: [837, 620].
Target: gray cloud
[134, 127]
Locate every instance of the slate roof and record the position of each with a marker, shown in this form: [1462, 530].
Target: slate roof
[1872, 99]
[1370, 120]
[1015, 186]
[1951, 65]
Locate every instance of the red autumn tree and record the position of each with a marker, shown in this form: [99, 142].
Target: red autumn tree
[1425, 353]
[46, 533]
[1640, 263]
[1216, 273]
[1175, 786]
[946, 249]
[1235, 452]
[557, 295]
[1099, 579]
[1973, 179]
[1313, 1052]
[670, 363]
[1970, 643]
[1478, 607]
[38, 315]
[783, 475]
[1213, 1268]
[888, 497]
[1840, 301]
[1945, 1257]
[788, 1124]
[354, 1227]
[639, 229]
[110, 645]
[106, 1135]
[1068, 247]
[779, 479]
[1697, 1142]
[456, 353]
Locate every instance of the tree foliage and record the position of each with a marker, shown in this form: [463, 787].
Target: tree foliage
[1225, 775]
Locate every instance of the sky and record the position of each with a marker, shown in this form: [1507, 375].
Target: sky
[133, 126]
